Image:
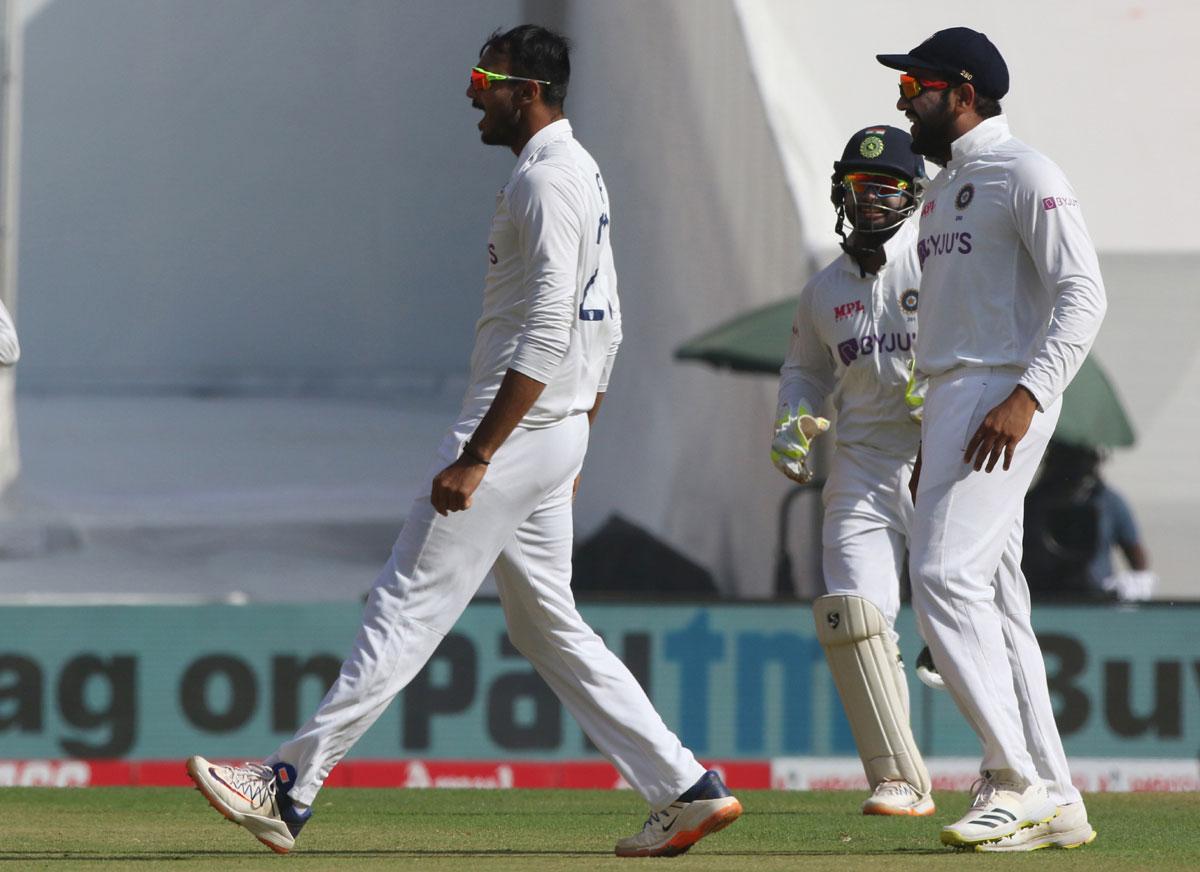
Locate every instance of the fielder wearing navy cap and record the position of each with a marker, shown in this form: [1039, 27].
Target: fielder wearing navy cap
[961, 52]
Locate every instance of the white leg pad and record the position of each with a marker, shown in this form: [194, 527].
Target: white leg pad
[866, 668]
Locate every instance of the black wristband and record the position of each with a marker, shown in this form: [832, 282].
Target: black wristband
[474, 455]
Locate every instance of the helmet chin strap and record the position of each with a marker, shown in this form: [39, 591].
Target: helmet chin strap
[865, 246]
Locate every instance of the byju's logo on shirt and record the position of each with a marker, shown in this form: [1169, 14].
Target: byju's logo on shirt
[874, 343]
[847, 309]
[944, 243]
[1049, 203]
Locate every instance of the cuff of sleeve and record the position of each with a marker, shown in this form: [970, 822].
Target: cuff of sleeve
[538, 365]
[1036, 391]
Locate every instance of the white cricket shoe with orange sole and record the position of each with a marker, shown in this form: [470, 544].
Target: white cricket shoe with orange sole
[253, 796]
[705, 808]
[898, 798]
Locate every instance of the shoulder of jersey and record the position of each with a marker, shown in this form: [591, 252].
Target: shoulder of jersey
[824, 276]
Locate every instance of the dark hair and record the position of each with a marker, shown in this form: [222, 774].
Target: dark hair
[536, 53]
[987, 107]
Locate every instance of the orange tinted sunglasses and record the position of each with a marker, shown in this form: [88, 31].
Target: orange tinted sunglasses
[481, 79]
[879, 184]
[910, 86]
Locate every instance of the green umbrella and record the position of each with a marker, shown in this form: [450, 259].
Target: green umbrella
[1092, 415]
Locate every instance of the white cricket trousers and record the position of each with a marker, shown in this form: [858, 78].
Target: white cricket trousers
[969, 594]
[519, 526]
[868, 514]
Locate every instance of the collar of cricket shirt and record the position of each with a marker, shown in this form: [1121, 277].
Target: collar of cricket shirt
[559, 129]
[985, 134]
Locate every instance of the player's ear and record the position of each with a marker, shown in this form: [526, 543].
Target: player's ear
[965, 94]
[529, 93]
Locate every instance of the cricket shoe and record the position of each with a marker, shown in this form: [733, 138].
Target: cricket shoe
[1069, 829]
[999, 809]
[707, 807]
[254, 796]
[898, 798]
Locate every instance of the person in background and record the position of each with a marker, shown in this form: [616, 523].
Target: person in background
[1073, 523]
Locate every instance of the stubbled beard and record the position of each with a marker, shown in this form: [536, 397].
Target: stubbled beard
[501, 131]
[933, 138]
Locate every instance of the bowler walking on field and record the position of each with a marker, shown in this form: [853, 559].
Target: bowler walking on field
[503, 484]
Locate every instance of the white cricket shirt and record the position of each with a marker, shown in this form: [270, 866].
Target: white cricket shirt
[10, 349]
[550, 308]
[852, 340]
[1009, 273]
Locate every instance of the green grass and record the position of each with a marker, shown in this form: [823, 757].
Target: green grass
[480, 831]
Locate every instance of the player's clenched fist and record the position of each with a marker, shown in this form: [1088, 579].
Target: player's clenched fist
[453, 486]
[794, 431]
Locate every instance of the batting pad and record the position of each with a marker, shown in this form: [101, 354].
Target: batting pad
[866, 669]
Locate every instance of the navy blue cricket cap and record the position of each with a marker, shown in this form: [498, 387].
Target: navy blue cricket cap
[957, 51]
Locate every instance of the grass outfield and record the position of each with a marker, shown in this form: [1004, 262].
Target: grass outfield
[479, 831]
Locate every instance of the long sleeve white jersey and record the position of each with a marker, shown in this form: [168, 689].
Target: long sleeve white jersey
[1009, 273]
[852, 339]
[10, 350]
[550, 308]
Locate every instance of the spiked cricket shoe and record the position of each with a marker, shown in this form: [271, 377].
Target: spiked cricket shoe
[705, 808]
[999, 810]
[254, 796]
[1068, 829]
[898, 798]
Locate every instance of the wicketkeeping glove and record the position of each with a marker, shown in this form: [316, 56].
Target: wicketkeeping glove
[794, 432]
[914, 393]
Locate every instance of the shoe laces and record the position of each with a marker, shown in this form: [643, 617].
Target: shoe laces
[983, 790]
[664, 816]
[895, 788]
[254, 780]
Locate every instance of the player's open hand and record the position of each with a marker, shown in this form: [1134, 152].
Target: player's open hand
[454, 485]
[1001, 430]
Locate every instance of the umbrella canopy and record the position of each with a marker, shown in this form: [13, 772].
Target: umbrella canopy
[757, 341]
[754, 342]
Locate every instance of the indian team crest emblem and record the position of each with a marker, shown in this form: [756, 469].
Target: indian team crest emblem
[871, 146]
[908, 301]
[964, 197]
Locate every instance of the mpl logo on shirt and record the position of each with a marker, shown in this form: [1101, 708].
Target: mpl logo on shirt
[846, 310]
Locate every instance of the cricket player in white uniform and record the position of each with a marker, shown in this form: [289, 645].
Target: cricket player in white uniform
[852, 341]
[1011, 301]
[502, 493]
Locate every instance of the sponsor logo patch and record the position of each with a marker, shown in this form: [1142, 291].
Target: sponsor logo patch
[927, 208]
[846, 310]
[850, 350]
[944, 243]
[1049, 203]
